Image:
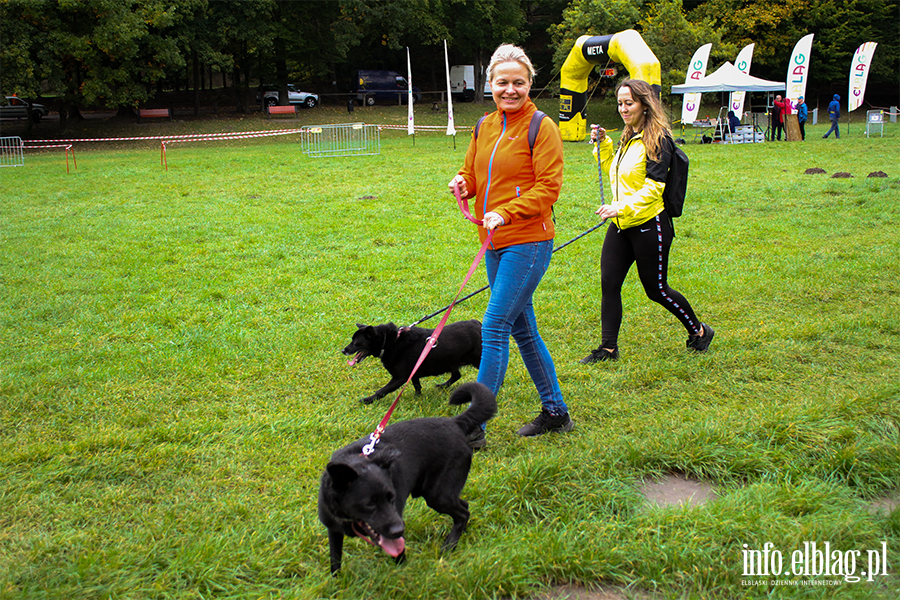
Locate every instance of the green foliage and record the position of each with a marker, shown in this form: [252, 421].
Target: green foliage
[674, 40]
[592, 17]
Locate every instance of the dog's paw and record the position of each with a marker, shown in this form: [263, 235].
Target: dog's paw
[369, 400]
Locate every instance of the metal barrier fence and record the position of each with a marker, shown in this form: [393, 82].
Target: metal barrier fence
[352, 139]
[874, 118]
[11, 152]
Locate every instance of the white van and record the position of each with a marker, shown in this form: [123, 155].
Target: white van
[462, 83]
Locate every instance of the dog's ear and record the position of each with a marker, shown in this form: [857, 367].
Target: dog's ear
[385, 456]
[342, 475]
[361, 326]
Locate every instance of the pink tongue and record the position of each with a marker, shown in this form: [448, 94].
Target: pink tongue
[393, 547]
[352, 362]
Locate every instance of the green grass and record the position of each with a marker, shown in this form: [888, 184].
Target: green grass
[171, 383]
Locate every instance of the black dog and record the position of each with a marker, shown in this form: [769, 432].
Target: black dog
[458, 345]
[429, 457]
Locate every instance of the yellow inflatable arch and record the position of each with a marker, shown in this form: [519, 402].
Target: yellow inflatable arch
[626, 47]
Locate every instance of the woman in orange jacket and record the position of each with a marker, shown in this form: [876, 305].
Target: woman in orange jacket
[514, 187]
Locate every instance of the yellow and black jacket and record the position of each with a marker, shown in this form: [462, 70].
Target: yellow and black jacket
[637, 183]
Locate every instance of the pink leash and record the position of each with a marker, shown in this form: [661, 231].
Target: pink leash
[431, 342]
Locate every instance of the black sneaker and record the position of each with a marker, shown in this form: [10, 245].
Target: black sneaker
[477, 439]
[547, 422]
[699, 343]
[600, 354]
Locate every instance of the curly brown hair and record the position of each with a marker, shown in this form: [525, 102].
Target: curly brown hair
[656, 124]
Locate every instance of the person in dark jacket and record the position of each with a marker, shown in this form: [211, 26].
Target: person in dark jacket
[733, 122]
[834, 113]
[777, 118]
[802, 116]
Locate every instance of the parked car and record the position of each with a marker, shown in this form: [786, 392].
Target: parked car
[295, 96]
[16, 108]
[387, 85]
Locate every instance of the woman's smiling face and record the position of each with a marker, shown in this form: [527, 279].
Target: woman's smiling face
[630, 109]
[510, 84]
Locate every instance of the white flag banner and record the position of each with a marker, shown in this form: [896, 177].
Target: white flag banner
[859, 73]
[742, 62]
[696, 72]
[798, 68]
[410, 121]
[451, 130]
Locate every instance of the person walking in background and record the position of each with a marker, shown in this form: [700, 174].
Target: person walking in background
[515, 188]
[777, 120]
[802, 115]
[834, 113]
[640, 231]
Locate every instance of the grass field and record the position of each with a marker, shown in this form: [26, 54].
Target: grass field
[171, 383]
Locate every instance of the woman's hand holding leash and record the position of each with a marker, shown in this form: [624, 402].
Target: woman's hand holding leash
[607, 211]
[460, 183]
[492, 221]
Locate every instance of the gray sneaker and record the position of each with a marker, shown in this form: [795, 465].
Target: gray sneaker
[547, 422]
[477, 439]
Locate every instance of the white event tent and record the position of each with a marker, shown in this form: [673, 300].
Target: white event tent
[728, 78]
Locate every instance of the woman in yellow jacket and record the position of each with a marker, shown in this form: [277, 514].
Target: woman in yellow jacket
[640, 230]
[514, 187]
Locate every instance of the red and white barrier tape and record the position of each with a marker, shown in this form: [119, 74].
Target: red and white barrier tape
[171, 137]
[68, 147]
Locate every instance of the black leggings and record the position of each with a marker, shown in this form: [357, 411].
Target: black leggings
[647, 245]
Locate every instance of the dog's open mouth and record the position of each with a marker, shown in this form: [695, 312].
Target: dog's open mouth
[358, 358]
[392, 547]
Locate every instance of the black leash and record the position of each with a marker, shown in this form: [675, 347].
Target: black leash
[479, 290]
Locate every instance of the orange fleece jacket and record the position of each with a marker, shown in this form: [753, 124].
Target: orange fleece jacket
[521, 186]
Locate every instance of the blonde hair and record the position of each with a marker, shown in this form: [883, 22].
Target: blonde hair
[656, 125]
[510, 53]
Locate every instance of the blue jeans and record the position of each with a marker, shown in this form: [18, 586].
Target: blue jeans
[835, 129]
[514, 273]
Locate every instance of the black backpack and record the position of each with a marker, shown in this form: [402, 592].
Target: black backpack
[676, 181]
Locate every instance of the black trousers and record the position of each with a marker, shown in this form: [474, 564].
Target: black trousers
[647, 245]
[778, 129]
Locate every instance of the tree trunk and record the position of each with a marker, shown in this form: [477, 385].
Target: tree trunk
[196, 72]
[480, 76]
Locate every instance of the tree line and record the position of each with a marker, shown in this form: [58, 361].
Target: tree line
[121, 54]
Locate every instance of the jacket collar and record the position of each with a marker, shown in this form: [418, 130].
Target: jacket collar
[523, 113]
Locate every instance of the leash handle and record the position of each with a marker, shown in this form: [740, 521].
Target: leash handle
[464, 205]
[430, 343]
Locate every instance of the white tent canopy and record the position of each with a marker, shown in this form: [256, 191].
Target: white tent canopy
[728, 78]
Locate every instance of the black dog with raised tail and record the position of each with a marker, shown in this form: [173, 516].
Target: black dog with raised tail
[364, 496]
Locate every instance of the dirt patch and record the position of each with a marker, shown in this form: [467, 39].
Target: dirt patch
[677, 489]
[814, 171]
[886, 504]
[877, 174]
[841, 176]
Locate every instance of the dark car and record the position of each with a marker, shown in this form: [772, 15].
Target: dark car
[387, 85]
[16, 108]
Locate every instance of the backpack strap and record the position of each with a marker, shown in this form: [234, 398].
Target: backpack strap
[534, 128]
[478, 125]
